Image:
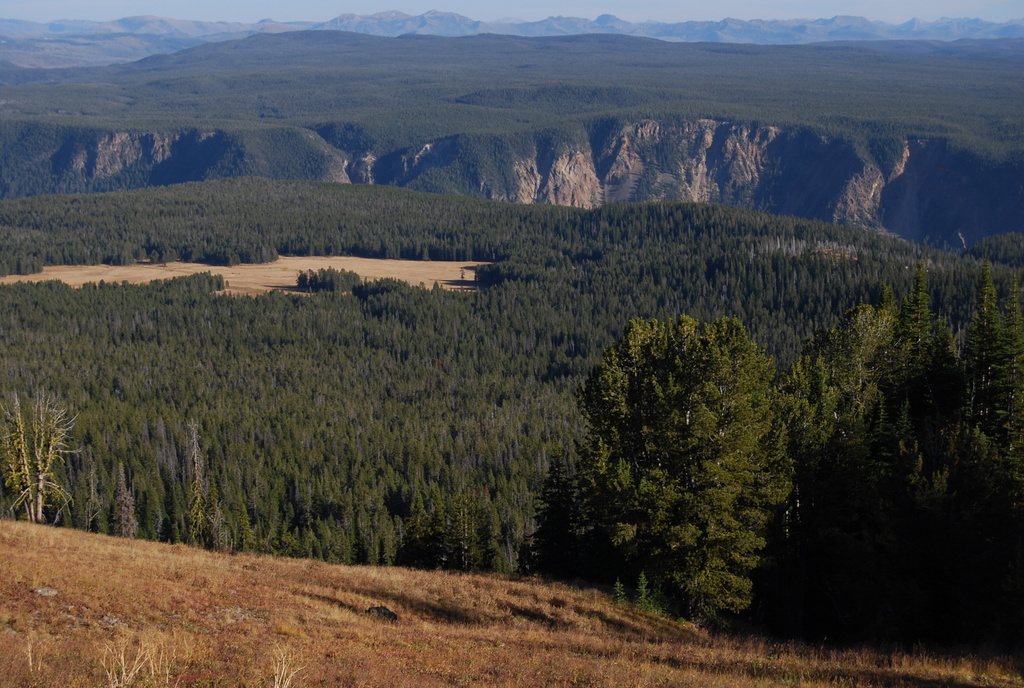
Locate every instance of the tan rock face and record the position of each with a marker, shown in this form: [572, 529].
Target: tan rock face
[620, 182]
[528, 181]
[337, 172]
[721, 160]
[115, 153]
[119, 150]
[862, 199]
[716, 162]
[571, 181]
[795, 172]
[361, 170]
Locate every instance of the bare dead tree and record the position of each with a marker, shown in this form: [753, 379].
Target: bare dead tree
[124, 506]
[31, 451]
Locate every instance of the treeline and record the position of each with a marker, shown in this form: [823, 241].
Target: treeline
[327, 279]
[900, 451]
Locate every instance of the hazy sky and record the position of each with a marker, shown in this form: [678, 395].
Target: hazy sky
[636, 10]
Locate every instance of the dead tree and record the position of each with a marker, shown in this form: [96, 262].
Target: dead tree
[32, 449]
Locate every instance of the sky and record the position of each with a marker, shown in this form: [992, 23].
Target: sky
[892, 11]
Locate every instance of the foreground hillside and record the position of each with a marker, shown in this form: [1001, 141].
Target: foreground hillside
[87, 610]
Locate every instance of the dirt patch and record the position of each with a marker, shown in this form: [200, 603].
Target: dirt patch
[263, 277]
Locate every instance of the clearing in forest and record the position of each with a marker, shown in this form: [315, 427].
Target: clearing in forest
[263, 277]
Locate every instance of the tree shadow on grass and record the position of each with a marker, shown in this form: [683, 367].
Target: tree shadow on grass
[406, 604]
[793, 675]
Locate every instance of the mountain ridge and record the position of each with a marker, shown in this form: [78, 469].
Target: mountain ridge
[68, 43]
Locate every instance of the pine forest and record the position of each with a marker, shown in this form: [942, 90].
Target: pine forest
[811, 427]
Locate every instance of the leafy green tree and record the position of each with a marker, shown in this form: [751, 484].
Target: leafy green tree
[683, 466]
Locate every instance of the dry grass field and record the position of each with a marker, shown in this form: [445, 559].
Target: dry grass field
[87, 610]
[263, 277]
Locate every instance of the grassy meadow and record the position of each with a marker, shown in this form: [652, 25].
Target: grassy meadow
[133, 613]
[259, 278]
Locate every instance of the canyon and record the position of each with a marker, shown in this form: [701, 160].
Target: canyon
[920, 189]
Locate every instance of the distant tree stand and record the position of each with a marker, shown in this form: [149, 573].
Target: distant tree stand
[31, 451]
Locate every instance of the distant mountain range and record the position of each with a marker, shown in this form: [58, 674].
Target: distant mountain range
[70, 43]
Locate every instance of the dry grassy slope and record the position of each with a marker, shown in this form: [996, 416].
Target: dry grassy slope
[186, 617]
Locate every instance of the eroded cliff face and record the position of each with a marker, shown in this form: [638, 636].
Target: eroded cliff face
[704, 161]
[929, 193]
[106, 156]
[100, 161]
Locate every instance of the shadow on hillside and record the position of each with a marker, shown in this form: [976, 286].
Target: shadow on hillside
[783, 675]
[537, 617]
[663, 628]
[405, 604]
[329, 600]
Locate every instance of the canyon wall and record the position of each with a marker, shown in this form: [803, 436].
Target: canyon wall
[929, 193]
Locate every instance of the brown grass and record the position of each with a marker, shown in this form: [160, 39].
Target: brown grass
[263, 277]
[147, 614]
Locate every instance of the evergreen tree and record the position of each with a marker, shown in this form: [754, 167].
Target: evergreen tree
[417, 547]
[558, 539]
[1013, 374]
[985, 358]
[682, 466]
[199, 492]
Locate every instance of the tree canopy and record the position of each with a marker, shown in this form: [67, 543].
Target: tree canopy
[683, 462]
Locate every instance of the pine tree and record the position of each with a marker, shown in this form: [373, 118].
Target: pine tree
[835, 412]
[915, 322]
[905, 374]
[1013, 374]
[558, 538]
[683, 465]
[418, 538]
[985, 357]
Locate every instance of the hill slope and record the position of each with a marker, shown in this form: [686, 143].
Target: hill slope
[81, 609]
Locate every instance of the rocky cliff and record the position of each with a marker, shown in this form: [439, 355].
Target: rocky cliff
[929, 192]
[38, 158]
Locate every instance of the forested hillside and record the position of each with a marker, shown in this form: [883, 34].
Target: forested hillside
[927, 146]
[394, 424]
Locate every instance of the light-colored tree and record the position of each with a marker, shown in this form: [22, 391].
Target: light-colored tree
[125, 524]
[31, 450]
[206, 521]
[198, 525]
